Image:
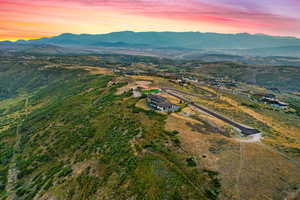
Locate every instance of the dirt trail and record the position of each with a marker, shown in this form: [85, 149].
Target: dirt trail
[296, 163]
[13, 171]
[238, 177]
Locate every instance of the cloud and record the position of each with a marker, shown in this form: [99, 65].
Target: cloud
[55, 16]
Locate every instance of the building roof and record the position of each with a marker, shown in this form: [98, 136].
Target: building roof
[157, 98]
[279, 103]
[271, 96]
[164, 104]
[160, 101]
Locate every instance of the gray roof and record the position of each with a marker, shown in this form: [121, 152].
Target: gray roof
[156, 98]
[164, 104]
[159, 101]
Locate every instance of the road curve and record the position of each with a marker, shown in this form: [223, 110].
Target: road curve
[243, 129]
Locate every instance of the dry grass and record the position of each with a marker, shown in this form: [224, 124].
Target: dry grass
[93, 70]
[253, 173]
[133, 85]
[170, 98]
[214, 120]
[247, 170]
[126, 88]
[143, 84]
[142, 104]
[146, 78]
[90, 69]
[194, 142]
[278, 126]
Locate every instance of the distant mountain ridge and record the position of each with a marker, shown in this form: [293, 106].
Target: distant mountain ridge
[179, 45]
[187, 40]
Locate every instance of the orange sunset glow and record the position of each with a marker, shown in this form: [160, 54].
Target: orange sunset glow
[27, 19]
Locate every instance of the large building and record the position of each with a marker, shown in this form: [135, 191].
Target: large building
[161, 104]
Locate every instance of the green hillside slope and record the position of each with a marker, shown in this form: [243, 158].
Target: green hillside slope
[65, 134]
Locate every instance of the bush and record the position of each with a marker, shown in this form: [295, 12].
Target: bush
[65, 171]
[176, 142]
[191, 162]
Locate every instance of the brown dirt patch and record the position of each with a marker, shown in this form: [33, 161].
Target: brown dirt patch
[93, 70]
[142, 104]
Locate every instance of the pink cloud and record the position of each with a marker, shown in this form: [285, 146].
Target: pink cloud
[242, 16]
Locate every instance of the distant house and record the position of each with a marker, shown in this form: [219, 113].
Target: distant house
[161, 104]
[273, 101]
[113, 81]
[276, 103]
[192, 79]
[269, 96]
[136, 94]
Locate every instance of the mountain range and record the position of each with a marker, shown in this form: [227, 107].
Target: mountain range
[159, 43]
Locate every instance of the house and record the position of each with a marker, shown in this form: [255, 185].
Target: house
[273, 101]
[136, 94]
[113, 81]
[192, 79]
[161, 104]
[269, 97]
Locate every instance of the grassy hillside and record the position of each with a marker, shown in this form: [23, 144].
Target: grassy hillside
[70, 129]
[65, 134]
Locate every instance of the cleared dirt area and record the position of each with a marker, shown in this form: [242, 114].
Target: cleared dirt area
[171, 99]
[93, 70]
[134, 85]
[126, 88]
[143, 84]
[142, 104]
[90, 69]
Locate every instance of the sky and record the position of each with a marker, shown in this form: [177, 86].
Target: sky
[28, 19]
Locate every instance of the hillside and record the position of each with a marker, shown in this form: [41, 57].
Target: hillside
[65, 134]
[282, 77]
[73, 127]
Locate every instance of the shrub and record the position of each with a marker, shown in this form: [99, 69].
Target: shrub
[191, 162]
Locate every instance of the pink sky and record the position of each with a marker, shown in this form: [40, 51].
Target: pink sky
[25, 19]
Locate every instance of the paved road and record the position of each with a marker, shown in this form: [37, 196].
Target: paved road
[243, 129]
[212, 95]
